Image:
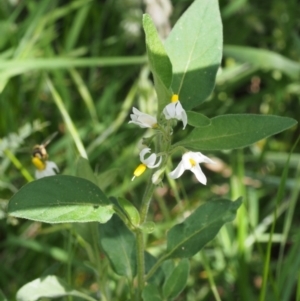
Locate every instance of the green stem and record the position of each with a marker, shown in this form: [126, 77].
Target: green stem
[146, 200]
[161, 145]
[210, 277]
[156, 266]
[140, 248]
[140, 262]
[95, 238]
[18, 165]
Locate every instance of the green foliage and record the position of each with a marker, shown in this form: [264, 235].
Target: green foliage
[77, 64]
[83, 170]
[195, 49]
[186, 239]
[61, 199]
[177, 280]
[197, 120]
[130, 211]
[235, 131]
[159, 63]
[151, 293]
[118, 243]
[264, 59]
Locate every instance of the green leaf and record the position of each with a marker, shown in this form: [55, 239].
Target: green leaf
[147, 227]
[160, 63]
[151, 293]
[168, 266]
[186, 239]
[130, 210]
[48, 287]
[176, 281]
[84, 170]
[61, 199]
[264, 59]
[197, 120]
[235, 131]
[195, 49]
[118, 243]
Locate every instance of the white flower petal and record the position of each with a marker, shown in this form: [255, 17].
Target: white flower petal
[190, 161]
[157, 164]
[141, 119]
[150, 161]
[200, 158]
[143, 152]
[174, 110]
[136, 111]
[197, 171]
[50, 170]
[178, 171]
[170, 111]
[184, 118]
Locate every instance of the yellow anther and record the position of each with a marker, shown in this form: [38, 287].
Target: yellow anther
[174, 98]
[38, 163]
[139, 170]
[193, 162]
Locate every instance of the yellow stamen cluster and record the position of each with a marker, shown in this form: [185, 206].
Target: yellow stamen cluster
[174, 98]
[139, 170]
[193, 162]
[38, 163]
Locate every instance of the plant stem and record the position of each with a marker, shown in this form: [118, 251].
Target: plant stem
[146, 200]
[140, 248]
[18, 165]
[95, 238]
[156, 266]
[140, 262]
[161, 145]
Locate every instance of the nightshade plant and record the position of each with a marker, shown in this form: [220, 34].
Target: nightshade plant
[184, 70]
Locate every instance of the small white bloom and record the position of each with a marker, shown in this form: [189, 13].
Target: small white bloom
[175, 110]
[143, 120]
[146, 162]
[190, 161]
[50, 169]
[158, 176]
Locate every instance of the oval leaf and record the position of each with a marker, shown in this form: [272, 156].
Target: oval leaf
[195, 49]
[176, 281]
[160, 63]
[131, 212]
[147, 227]
[151, 293]
[197, 120]
[48, 287]
[61, 199]
[235, 131]
[119, 245]
[186, 239]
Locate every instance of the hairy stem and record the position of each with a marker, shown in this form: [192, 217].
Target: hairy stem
[140, 262]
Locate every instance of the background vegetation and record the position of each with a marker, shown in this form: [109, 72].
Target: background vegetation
[78, 67]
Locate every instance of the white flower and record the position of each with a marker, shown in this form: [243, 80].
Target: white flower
[146, 162]
[158, 176]
[44, 168]
[175, 110]
[190, 161]
[143, 120]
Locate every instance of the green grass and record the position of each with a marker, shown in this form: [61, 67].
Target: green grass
[73, 67]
